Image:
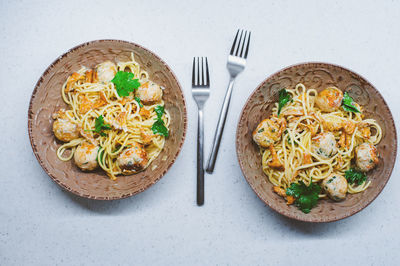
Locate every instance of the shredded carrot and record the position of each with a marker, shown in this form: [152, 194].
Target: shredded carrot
[89, 76]
[342, 140]
[72, 79]
[307, 158]
[280, 191]
[101, 101]
[123, 101]
[366, 132]
[312, 129]
[290, 200]
[86, 105]
[275, 163]
[348, 141]
[144, 112]
[349, 127]
[95, 78]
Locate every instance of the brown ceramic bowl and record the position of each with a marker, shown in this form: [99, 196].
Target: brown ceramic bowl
[317, 76]
[46, 98]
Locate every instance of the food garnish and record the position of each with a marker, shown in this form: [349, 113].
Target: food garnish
[138, 101]
[348, 104]
[125, 83]
[354, 176]
[306, 196]
[100, 126]
[159, 126]
[284, 98]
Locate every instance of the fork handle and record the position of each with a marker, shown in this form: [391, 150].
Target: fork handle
[200, 158]
[220, 127]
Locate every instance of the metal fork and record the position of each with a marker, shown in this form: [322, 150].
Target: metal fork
[200, 92]
[236, 64]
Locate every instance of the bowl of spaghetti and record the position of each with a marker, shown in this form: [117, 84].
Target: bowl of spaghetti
[107, 119]
[316, 142]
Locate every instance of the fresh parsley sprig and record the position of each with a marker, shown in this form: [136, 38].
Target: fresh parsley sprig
[159, 111]
[306, 196]
[99, 126]
[159, 126]
[124, 83]
[138, 101]
[284, 98]
[354, 176]
[348, 104]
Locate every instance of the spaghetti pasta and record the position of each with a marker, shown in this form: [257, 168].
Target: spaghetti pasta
[119, 126]
[301, 141]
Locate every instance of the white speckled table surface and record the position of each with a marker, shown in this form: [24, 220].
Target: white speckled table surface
[40, 224]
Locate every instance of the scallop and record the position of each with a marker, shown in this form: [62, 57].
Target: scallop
[269, 131]
[335, 187]
[64, 129]
[106, 71]
[149, 93]
[133, 159]
[85, 156]
[366, 156]
[324, 145]
[329, 100]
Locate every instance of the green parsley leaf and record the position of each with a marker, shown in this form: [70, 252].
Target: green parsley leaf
[159, 126]
[138, 101]
[284, 98]
[99, 126]
[306, 196]
[159, 111]
[348, 104]
[354, 176]
[125, 83]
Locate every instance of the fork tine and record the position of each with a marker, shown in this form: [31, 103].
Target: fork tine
[234, 42]
[247, 47]
[194, 72]
[238, 45]
[198, 71]
[207, 74]
[244, 41]
[202, 71]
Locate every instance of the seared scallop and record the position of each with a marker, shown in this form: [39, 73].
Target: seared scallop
[335, 187]
[324, 145]
[329, 100]
[106, 71]
[133, 159]
[366, 157]
[269, 131]
[149, 93]
[85, 156]
[64, 129]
